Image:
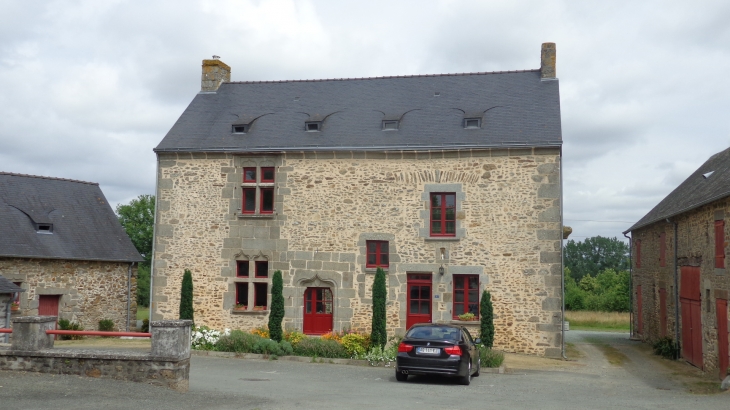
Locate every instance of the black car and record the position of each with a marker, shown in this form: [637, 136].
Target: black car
[438, 349]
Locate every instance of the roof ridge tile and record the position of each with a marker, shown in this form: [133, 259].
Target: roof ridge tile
[44, 177]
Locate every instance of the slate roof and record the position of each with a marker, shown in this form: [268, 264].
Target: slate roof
[83, 223]
[7, 286]
[517, 109]
[695, 191]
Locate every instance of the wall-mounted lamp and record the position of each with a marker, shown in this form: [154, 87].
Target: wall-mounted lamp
[441, 270]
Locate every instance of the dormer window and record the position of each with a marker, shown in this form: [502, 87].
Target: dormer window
[470, 123]
[44, 228]
[390, 125]
[240, 128]
[313, 126]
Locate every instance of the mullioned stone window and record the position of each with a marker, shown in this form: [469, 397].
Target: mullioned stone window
[258, 189]
[448, 198]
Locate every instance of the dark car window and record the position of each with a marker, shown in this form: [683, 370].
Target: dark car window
[434, 333]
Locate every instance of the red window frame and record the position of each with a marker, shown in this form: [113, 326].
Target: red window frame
[442, 219]
[638, 253]
[242, 269]
[720, 244]
[263, 209]
[242, 293]
[16, 297]
[247, 192]
[245, 172]
[464, 284]
[264, 170]
[260, 290]
[663, 249]
[261, 269]
[380, 253]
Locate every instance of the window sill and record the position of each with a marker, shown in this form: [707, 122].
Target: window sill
[373, 270]
[465, 322]
[249, 312]
[256, 216]
[442, 239]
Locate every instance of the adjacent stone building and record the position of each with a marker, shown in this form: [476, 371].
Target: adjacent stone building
[451, 183]
[679, 275]
[62, 244]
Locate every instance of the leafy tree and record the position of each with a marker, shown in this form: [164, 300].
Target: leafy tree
[186, 296]
[486, 325]
[607, 292]
[276, 316]
[378, 334]
[138, 218]
[595, 255]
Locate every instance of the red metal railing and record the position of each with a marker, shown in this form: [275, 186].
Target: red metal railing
[95, 333]
[3, 330]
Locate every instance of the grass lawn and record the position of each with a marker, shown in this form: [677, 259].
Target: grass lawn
[603, 321]
[142, 312]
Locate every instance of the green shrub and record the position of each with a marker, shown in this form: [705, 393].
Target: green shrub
[491, 358]
[276, 316]
[238, 342]
[378, 334]
[64, 324]
[666, 348]
[356, 344]
[186, 296]
[106, 325]
[286, 348]
[316, 347]
[486, 320]
[268, 347]
[145, 326]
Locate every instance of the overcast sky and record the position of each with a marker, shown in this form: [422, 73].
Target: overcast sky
[88, 88]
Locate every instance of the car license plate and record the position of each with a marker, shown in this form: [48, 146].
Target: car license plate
[428, 350]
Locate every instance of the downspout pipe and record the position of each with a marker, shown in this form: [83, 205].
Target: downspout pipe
[154, 238]
[631, 286]
[562, 263]
[676, 287]
[7, 315]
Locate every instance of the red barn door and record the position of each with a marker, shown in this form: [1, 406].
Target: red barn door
[690, 299]
[48, 305]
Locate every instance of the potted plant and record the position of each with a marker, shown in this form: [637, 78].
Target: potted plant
[259, 308]
[15, 306]
[239, 307]
[467, 317]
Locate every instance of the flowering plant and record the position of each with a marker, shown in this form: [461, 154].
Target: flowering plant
[204, 338]
[15, 305]
[467, 316]
[262, 331]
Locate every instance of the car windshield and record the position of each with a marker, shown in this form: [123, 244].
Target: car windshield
[433, 333]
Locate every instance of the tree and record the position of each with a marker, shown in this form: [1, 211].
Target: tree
[595, 255]
[378, 334]
[276, 316]
[486, 317]
[186, 296]
[138, 219]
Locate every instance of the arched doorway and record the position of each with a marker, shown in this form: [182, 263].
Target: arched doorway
[318, 306]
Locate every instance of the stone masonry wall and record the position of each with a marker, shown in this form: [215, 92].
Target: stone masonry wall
[696, 247]
[90, 291]
[327, 205]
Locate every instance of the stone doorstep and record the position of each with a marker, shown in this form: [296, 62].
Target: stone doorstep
[303, 359]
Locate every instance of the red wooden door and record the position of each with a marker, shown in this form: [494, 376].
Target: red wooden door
[48, 305]
[419, 299]
[722, 340]
[662, 312]
[690, 299]
[639, 311]
[317, 311]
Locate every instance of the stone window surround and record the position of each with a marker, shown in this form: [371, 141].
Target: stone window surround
[466, 289]
[362, 257]
[257, 163]
[428, 189]
[251, 279]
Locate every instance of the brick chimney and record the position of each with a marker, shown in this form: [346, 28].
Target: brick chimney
[547, 61]
[215, 72]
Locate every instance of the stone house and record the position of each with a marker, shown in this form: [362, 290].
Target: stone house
[680, 283]
[63, 245]
[451, 183]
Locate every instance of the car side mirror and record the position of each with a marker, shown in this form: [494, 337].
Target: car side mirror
[478, 341]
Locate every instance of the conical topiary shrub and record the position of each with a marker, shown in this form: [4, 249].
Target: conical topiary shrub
[378, 334]
[486, 313]
[276, 315]
[186, 296]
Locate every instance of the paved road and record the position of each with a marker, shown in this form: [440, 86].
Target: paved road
[219, 383]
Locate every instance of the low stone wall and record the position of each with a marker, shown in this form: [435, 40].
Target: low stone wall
[167, 365]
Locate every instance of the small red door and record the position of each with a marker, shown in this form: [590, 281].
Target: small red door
[48, 305]
[662, 312]
[317, 311]
[690, 299]
[639, 311]
[722, 340]
[419, 299]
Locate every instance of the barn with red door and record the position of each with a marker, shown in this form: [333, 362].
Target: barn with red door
[62, 244]
[680, 276]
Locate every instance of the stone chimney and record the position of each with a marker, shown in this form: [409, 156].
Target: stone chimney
[215, 72]
[547, 61]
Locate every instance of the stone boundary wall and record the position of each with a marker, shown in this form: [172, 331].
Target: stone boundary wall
[696, 247]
